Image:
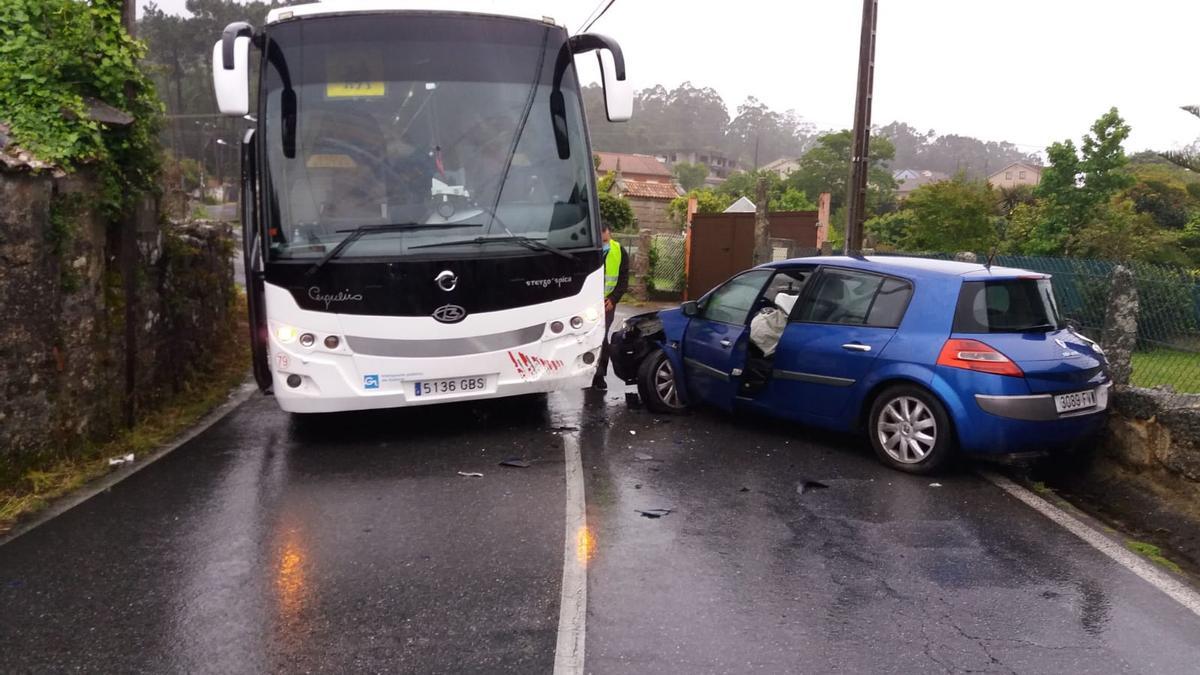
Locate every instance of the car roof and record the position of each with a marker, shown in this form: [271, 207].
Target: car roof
[916, 267]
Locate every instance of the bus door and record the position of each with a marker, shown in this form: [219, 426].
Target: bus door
[252, 259]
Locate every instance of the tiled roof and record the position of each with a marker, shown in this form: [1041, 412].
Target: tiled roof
[648, 189]
[644, 165]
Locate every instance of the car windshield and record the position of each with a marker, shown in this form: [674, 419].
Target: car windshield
[427, 120]
[1007, 306]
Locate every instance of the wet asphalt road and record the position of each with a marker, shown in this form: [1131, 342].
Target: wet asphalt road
[353, 545]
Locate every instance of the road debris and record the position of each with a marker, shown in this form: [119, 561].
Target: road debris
[470, 474]
[643, 457]
[744, 489]
[809, 486]
[935, 485]
[123, 459]
[516, 462]
[654, 513]
[632, 432]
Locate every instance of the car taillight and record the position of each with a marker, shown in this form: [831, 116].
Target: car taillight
[977, 356]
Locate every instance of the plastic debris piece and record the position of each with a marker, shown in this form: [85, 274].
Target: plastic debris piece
[744, 489]
[654, 513]
[470, 474]
[516, 462]
[935, 485]
[637, 486]
[632, 432]
[643, 457]
[809, 486]
[123, 459]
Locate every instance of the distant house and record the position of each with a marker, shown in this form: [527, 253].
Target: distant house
[719, 166]
[742, 205]
[649, 200]
[782, 166]
[634, 167]
[1017, 173]
[646, 183]
[908, 180]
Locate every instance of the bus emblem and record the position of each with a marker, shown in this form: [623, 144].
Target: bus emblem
[446, 280]
[449, 313]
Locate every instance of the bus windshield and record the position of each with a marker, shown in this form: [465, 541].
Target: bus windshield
[438, 133]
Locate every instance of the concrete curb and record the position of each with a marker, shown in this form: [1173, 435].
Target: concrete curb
[70, 501]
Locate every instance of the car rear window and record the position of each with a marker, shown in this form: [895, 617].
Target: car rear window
[1006, 306]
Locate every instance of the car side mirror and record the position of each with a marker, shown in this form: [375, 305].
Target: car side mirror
[690, 308]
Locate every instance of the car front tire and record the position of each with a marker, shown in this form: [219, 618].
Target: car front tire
[910, 430]
[657, 384]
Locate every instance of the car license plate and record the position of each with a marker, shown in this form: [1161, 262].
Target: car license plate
[450, 385]
[1076, 401]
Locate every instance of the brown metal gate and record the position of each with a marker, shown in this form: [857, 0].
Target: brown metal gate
[722, 244]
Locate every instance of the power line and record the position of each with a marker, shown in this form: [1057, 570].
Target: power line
[591, 20]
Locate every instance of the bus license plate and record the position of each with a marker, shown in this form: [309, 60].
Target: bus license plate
[450, 385]
[1077, 401]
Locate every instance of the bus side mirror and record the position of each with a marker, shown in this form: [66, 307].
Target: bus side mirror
[690, 308]
[618, 94]
[231, 69]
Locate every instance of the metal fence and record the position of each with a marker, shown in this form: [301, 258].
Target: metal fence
[668, 254]
[1168, 343]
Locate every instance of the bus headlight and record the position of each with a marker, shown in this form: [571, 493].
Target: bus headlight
[285, 333]
[591, 314]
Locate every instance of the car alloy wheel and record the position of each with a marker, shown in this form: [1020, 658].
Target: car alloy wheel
[664, 384]
[907, 430]
[657, 385]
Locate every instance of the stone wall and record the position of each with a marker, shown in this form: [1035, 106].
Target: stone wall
[63, 339]
[1155, 429]
[652, 214]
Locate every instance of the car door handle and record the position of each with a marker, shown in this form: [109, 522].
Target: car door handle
[856, 347]
[726, 343]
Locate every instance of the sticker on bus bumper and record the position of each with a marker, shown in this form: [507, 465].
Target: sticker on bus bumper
[533, 367]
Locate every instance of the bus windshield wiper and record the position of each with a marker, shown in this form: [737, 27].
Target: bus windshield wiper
[531, 244]
[358, 232]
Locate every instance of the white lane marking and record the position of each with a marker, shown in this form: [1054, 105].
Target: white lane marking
[572, 608]
[1129, 560]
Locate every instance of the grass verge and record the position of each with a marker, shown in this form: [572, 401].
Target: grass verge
[1153, 554]
[39, 480]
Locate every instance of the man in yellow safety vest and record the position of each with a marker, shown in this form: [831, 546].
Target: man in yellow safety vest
[616, 282]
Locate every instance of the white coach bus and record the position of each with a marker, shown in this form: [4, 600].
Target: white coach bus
[419, 205]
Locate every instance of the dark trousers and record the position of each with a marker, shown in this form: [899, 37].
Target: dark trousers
[602, 365]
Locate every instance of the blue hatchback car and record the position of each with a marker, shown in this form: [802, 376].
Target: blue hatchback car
[928, 357]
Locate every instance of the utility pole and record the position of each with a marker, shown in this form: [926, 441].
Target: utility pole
[762, 225]
[856, 189]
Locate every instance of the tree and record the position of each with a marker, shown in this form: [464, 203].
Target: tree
[950, 153]
[690, 176]
[826, 168]
[890, 230]
[952, 215]
[617, 213]
[1076, 184]
[1118, 232]
[707, 201]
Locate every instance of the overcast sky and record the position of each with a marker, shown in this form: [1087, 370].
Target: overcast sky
[1027, 71]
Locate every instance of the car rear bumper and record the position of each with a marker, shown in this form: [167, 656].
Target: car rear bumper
[1019, 425]
[1038, 407]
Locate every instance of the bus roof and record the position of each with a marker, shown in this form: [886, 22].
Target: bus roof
[486, 7]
